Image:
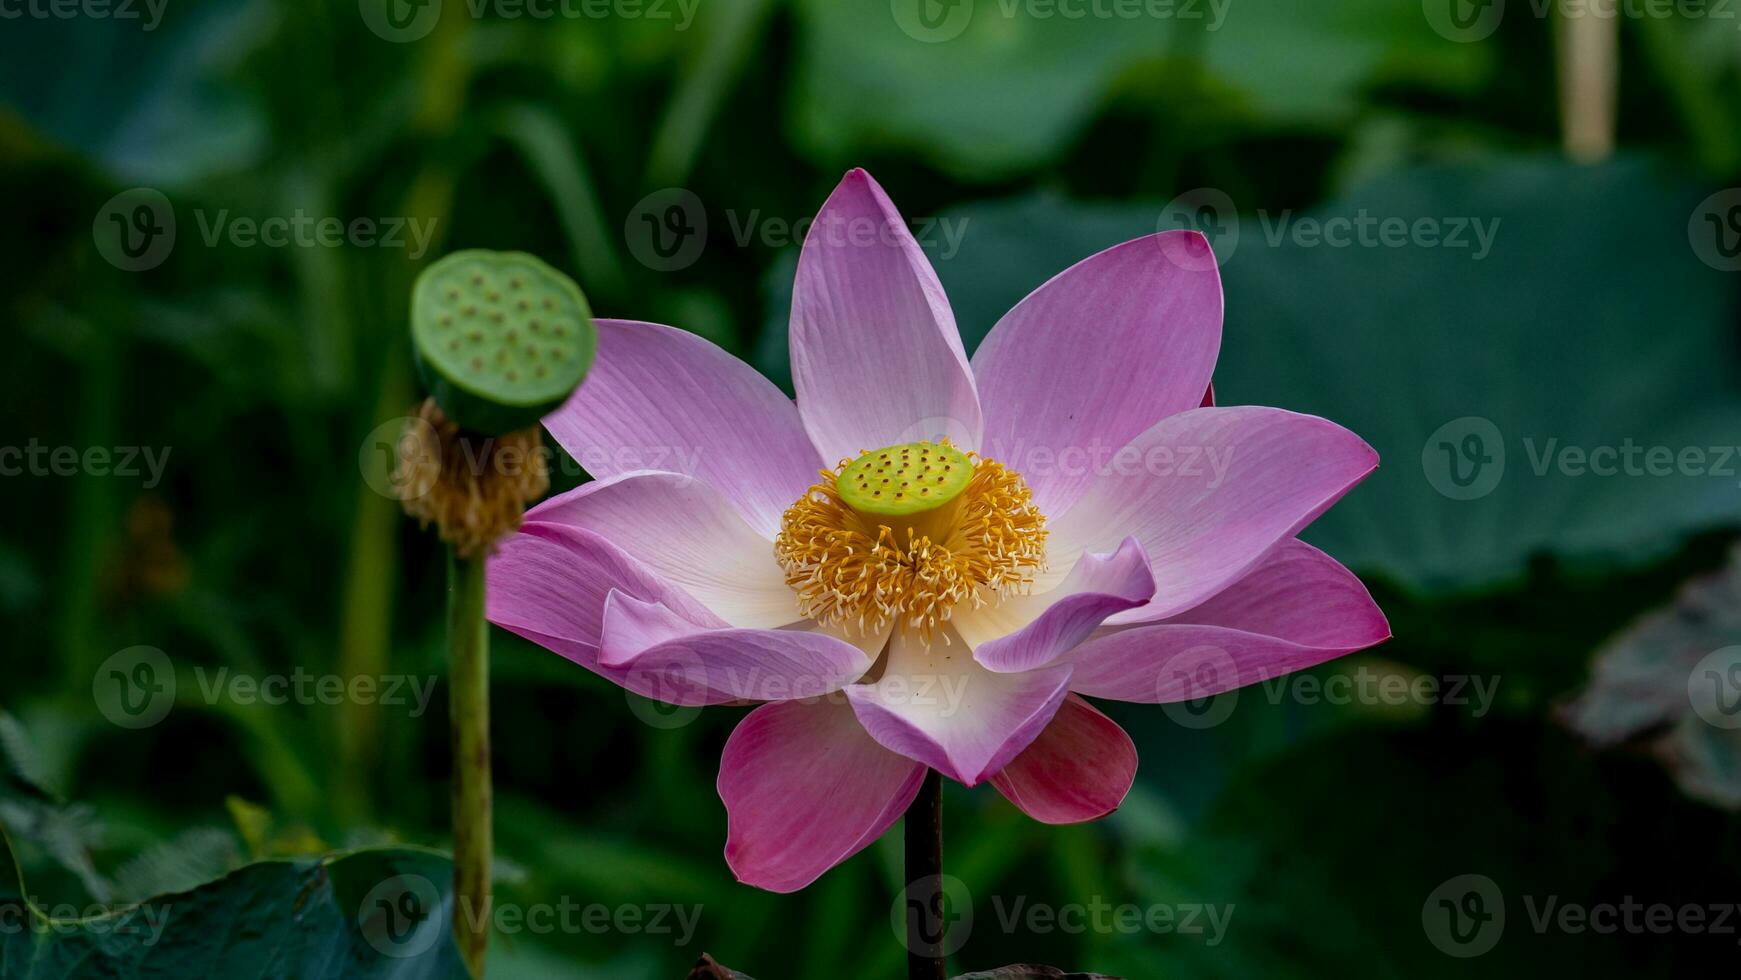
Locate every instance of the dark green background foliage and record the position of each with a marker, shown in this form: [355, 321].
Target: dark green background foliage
[265, 548]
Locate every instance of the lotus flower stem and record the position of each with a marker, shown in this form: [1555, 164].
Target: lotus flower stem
[470, 463]
[469, 715]
[923, 828]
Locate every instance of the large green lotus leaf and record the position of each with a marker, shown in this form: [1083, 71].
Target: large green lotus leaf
[994, 93]
[141, 92]
[1425, 835]
[1591, 325]
[1309, 63]
[1586, 321]
[987, 87]
[373, 913]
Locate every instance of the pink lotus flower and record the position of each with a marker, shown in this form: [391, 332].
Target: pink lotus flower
[927, 561]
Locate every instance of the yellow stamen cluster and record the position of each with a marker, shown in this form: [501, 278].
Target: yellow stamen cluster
[869, 571]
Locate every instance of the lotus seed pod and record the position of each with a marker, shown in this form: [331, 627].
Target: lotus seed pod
[501, 338]
[905, 480]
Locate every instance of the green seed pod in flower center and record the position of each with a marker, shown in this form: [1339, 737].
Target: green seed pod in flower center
[904, 480]
[501, 338]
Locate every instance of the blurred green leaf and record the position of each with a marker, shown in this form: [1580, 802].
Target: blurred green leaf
[1343, 845]
[993, 90]
[1309, 63]
[1670, 682]
[371, 913]
[148, 100]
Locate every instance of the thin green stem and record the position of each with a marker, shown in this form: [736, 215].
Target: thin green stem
[469, 711]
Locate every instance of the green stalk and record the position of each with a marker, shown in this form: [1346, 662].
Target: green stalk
[469, 716]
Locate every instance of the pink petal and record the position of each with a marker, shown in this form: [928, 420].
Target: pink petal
[940, 707]
[694, 664]
[1210, 491]
[658, 398]
[1025, 632]
[804, 789]
[550, 583]
[876, 359]
[1080, 768]
[1296, 610]
[1095, 356]
[689, 534]
[1298, 592]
